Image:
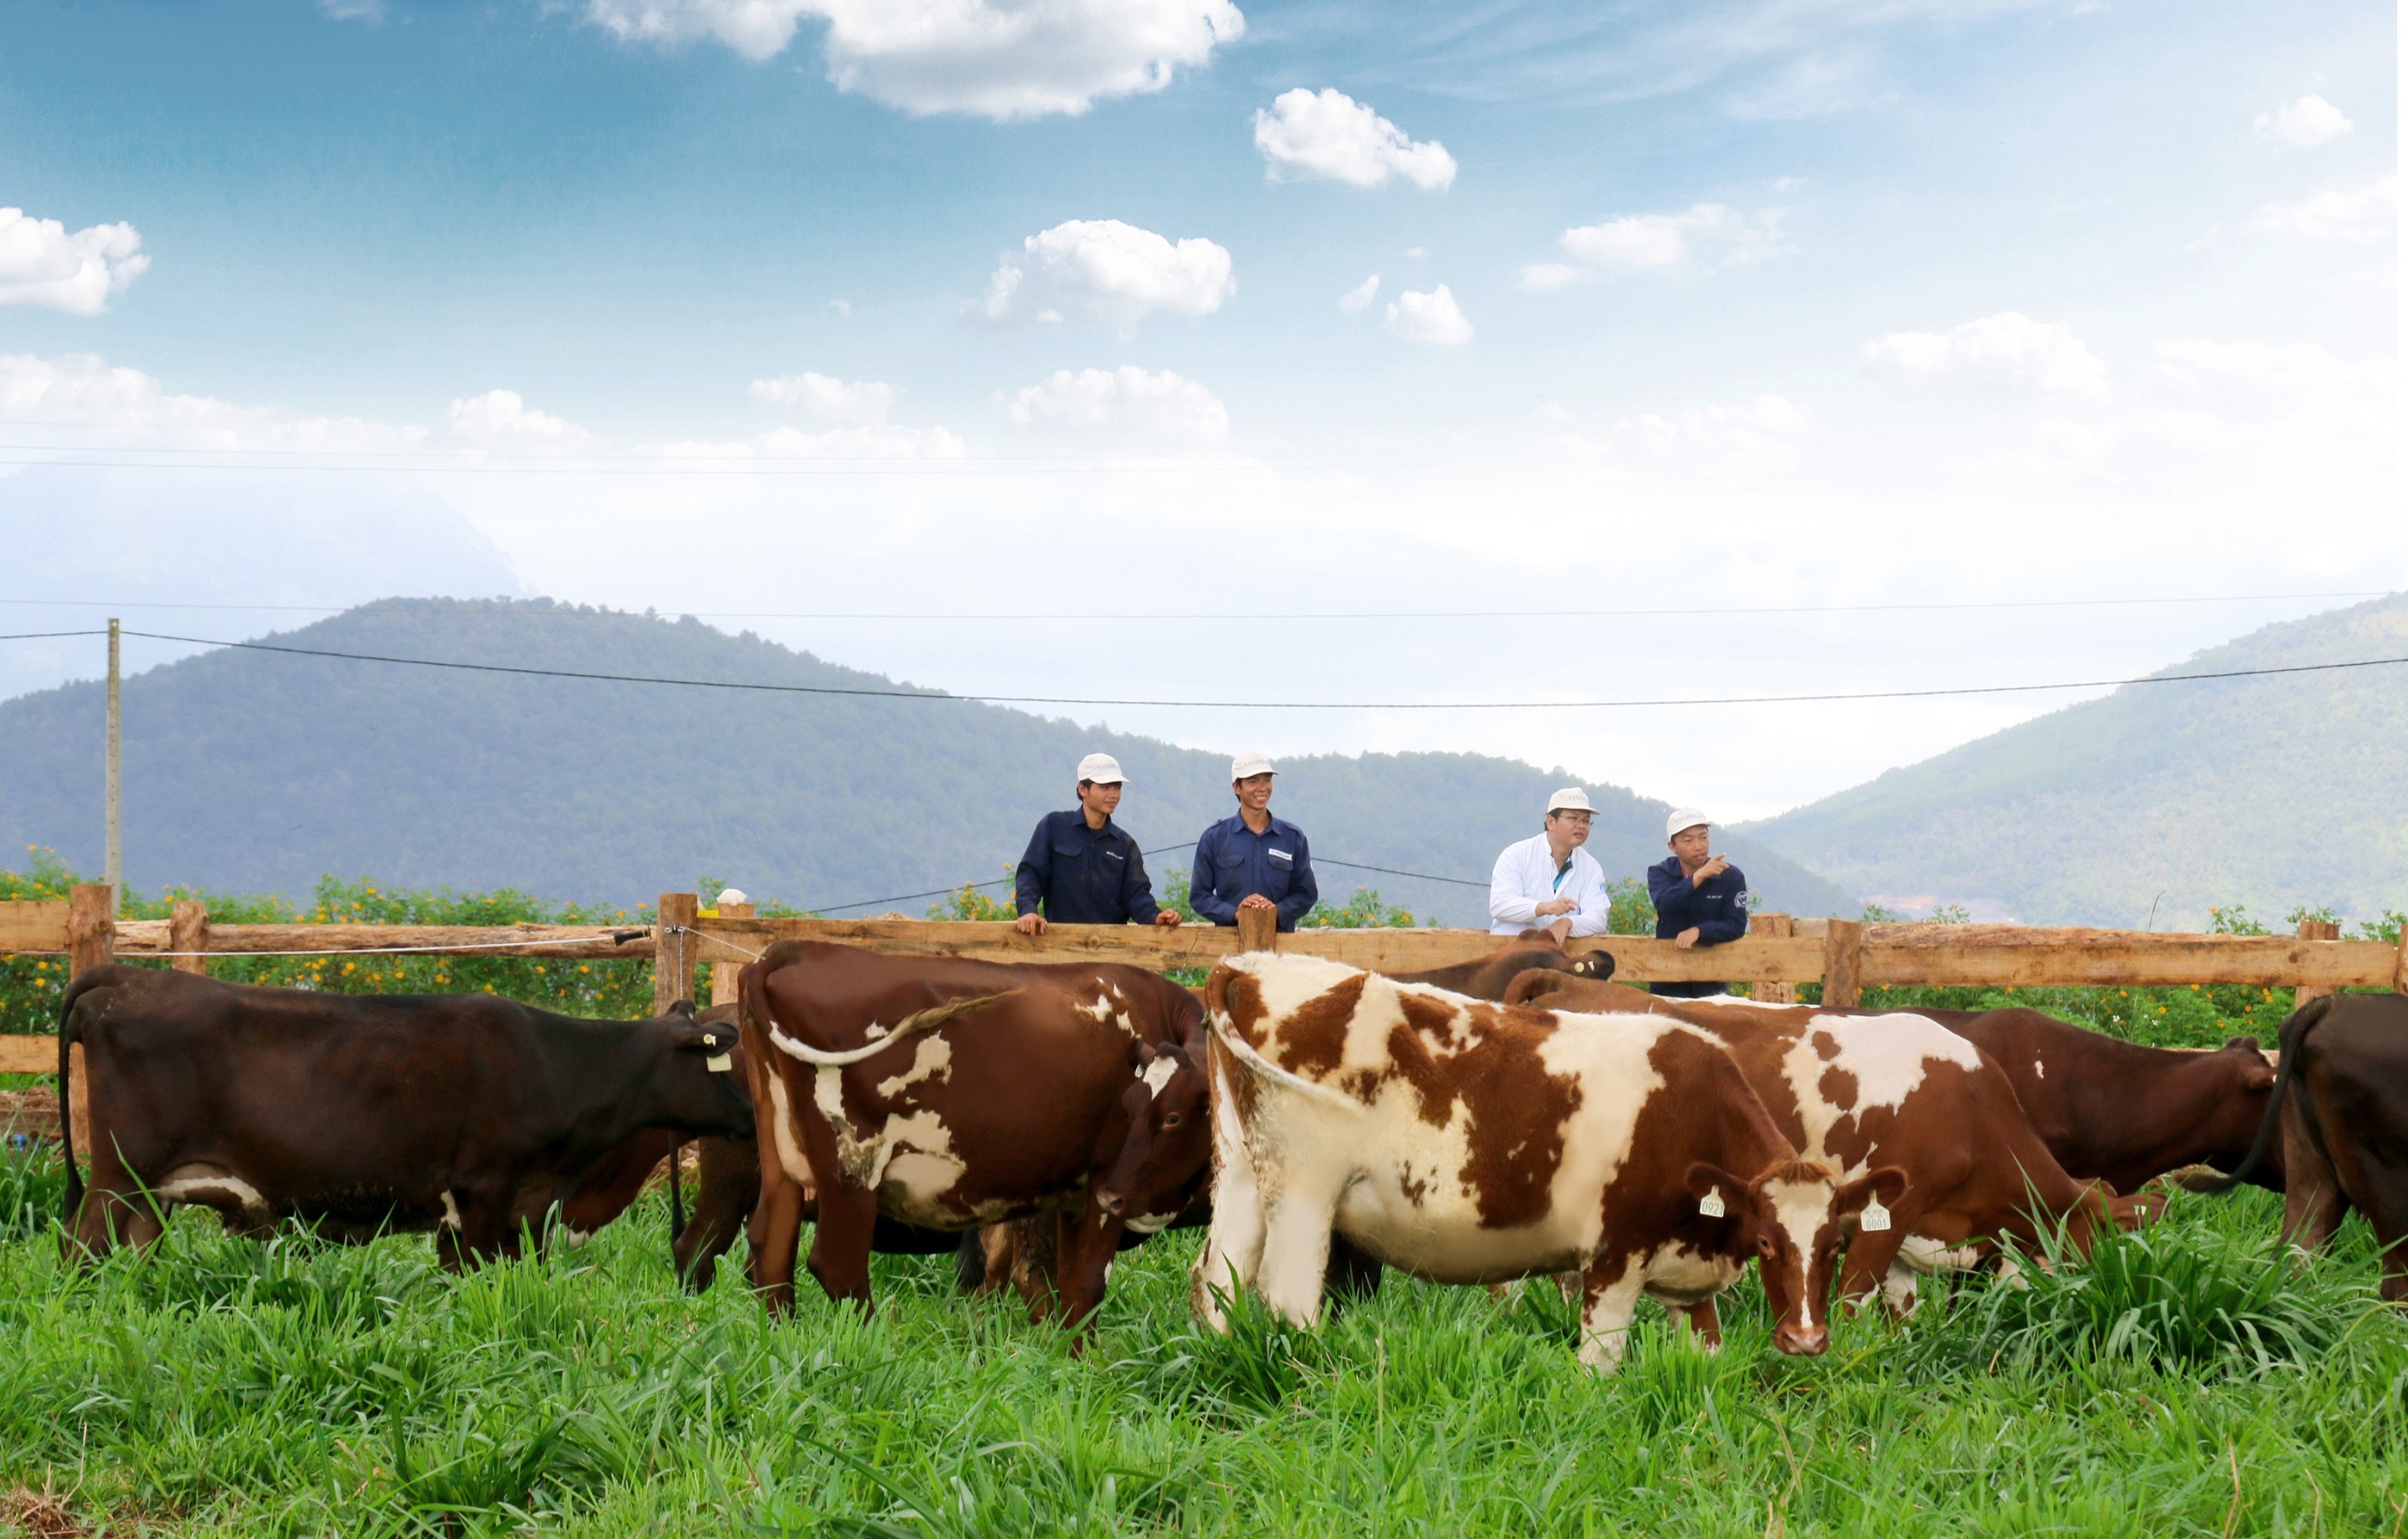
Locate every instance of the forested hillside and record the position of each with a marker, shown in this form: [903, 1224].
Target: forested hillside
[2275, 792]
[254, 771]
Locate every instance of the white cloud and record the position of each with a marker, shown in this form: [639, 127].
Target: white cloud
[842, 306]
[1759, 433]
[2344, 213]
[127, 407]
[1330, 134]
[1354, 301]
[370, 12]
[501, 419]
[1104, 271]
[998, 59]
[41, 264]
[2305, 124]
[1706, 235]
[2005, 348]
[1128, 398]
[1433, 317]
[854, 402]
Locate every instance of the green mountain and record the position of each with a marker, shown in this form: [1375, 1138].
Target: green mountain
[2277, 792]
[255, 772]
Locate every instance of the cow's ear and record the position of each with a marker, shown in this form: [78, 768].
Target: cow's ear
[1141, 1052]
[1885, 1185]
[2245, 1044]
[682, 1007]
[1713, 1180]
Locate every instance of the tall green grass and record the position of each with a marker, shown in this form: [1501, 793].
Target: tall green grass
[222, 1385]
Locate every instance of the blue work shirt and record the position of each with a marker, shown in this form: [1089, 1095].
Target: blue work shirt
[1233, 863]
[1717, 906]
[1082, 875]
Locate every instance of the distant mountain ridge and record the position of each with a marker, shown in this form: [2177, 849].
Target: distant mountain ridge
[253, 772]
[2158, 802]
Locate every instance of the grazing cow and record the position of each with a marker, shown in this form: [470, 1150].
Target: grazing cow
[2108, 1110]
[950, 1095]
[1465, 1141]
[1533, 951]
[1897, 1089]
[2339, 1110]
[468, 1114]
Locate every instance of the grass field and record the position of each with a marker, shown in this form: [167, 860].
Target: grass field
[2187, 1384]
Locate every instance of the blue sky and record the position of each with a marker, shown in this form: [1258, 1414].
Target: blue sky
[1689, 305]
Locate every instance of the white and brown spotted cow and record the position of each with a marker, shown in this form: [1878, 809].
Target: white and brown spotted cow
[1464, 1142]
[950, 1095]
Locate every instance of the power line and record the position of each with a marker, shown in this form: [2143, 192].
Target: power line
[1636, 703]
[39, 635]
[1185, 617]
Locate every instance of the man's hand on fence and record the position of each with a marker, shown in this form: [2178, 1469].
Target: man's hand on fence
[1030, 924]
[1686, 939]
[1167, 918]
[1555, 905]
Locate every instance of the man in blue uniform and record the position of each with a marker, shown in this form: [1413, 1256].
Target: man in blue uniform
[1701, 897]
[1084, 868]
[1252, 860]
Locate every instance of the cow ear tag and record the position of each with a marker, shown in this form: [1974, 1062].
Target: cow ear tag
[718, 1063]
[1875, 1217]
[1711, 1203]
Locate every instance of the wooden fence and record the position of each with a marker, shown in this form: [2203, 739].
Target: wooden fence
[1778, 954]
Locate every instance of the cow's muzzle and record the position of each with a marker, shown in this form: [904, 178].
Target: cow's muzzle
[1111, 1202]
[1806, 1341]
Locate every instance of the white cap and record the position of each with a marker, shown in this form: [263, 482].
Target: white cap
[732, 895]
[1102, 769]
[1245, 764]
[1572, 798]
[1684, 817]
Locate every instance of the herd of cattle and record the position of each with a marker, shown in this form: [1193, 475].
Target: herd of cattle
[1511, 1117]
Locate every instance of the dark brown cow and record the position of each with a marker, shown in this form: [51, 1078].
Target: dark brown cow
[2340, 1116]
[1488, 977]
[1465, 1141]
[361, 1114]
[1896, 1089]
[2108, 1110]
[950, 1095]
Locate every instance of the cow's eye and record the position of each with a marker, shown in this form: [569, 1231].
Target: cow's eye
[1171, 1121]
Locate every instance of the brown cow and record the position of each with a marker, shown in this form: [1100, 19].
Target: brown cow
[1897, 1089]
[2340, 1115]
[1533, 951]
[1465, 1141]
[950, 1095]
[2108, 1110]
[363, 1114]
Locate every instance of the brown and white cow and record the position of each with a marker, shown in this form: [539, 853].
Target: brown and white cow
[1464, 1142]
[1897, 1089]
[2108, 1110]
[950, 1095]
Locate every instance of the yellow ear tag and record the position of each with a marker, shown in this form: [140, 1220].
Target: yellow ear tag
[721, 1063]
[1712, 1204]
[1875, 1219]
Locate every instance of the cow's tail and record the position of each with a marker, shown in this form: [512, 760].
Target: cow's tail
[2295, 1032]
[73, 1197]
[1264, 1068]
[911, 1024]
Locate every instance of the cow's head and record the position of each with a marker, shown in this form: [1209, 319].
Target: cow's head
[1797, 1219]
[700, 1087]
[1168, 1148]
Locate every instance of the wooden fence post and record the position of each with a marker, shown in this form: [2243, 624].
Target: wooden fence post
[2314, 929]
[188, 930]
[723, 974]
[1774, 927]
[1843, 964]
[91, 941]
[1258, 929]
[673, 952]
[2400, 964]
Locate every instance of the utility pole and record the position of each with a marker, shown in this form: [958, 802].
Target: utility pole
[115, 874]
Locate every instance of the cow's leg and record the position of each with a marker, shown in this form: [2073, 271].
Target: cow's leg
[776, 1233]
[1233, 1246]
[2313, 1203]
[840, 1243]
[1082, 1264]
[1296, 1234]
[1900, 1291]
[1609, 1299]
[1705, 1329]
[115, 1209]
[1867, 1271]
[728, 1187]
